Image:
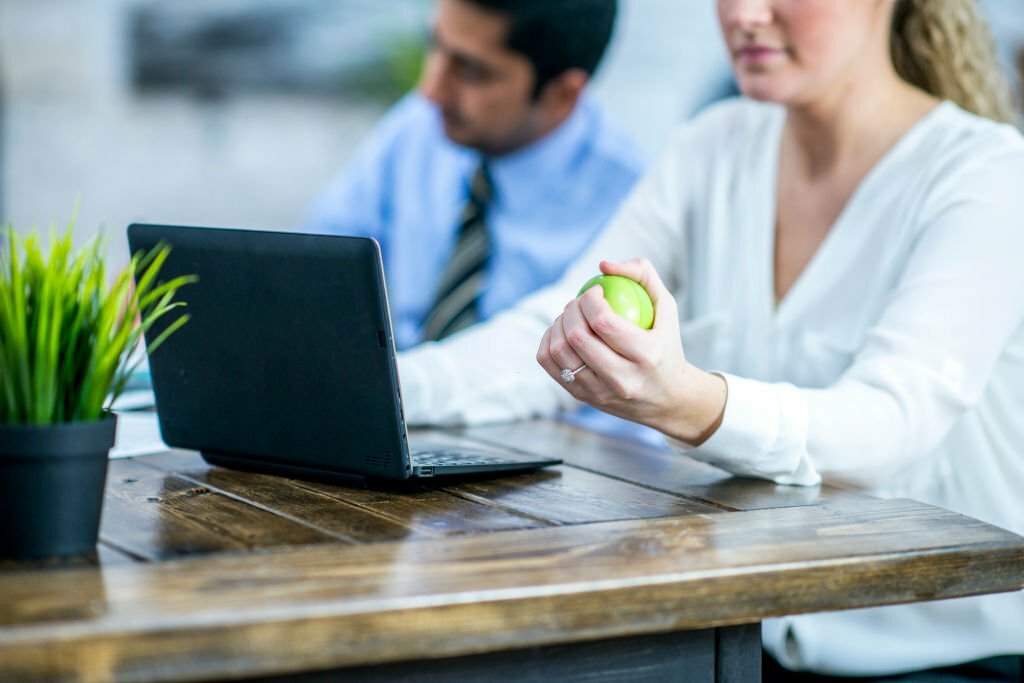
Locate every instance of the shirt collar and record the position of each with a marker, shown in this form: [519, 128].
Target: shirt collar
[521, 178]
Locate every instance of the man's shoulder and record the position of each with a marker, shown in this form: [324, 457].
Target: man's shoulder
[413, 108]
[411, 118]
[610, 144]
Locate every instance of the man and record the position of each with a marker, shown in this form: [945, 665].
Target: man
[485, 183]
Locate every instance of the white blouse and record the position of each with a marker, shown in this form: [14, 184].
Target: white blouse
[895, 363]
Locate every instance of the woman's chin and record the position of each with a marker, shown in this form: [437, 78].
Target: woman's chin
[765, 90]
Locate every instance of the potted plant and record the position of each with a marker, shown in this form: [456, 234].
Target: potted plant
[66, 336]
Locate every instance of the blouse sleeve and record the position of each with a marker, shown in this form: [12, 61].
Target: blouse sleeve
[489, 372]
[925, 362]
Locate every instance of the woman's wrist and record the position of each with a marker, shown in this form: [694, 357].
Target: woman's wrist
[699, 409]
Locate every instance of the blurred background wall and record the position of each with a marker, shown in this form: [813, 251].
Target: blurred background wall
[235, 112]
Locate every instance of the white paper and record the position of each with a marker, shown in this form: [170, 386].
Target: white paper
[134, 400]
[137, 434]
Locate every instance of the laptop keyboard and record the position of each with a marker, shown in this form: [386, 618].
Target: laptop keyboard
[445, 458]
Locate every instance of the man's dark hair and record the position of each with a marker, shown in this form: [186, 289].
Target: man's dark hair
[556, 35]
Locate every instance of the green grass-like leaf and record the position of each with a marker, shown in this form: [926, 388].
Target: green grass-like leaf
[66, 332]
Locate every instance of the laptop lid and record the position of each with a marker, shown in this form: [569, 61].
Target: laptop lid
[287, 364]
[288, 359]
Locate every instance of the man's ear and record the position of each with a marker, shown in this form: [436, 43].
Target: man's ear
[560, 95]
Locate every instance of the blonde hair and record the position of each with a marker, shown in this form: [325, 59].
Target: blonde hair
[944, 48]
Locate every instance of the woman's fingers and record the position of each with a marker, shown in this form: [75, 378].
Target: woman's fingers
[666, 315]
[620, 358]
[555, 353]
[629, 371]
[602, 360]
[625, 338]
[544, 352]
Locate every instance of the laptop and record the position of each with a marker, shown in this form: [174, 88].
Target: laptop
[287, 363]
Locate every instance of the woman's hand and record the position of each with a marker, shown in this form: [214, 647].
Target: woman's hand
[640, 375]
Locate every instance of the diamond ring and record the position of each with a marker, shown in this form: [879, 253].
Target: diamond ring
[569, 376]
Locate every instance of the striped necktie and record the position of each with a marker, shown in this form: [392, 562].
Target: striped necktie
[456, 303]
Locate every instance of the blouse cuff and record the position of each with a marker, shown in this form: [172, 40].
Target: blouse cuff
[763, 434]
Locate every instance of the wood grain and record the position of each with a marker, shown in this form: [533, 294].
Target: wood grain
[330, 605]
[206, 572]
[661, 469]
[154, 515]
[334, 514]
[432, 511]
[576, 496]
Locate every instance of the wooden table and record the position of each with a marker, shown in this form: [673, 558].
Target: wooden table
[625, 563]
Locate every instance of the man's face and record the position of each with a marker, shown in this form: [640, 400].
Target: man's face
[483, 89]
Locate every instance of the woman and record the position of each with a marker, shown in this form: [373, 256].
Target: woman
[835, 265]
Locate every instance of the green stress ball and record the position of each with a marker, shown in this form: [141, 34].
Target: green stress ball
[627, 297]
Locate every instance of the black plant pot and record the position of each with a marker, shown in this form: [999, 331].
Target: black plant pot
[52, 479]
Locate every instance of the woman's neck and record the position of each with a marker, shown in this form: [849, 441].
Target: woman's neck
[852, 125]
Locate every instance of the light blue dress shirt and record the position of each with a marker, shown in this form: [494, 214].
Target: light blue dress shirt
[408, 184]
